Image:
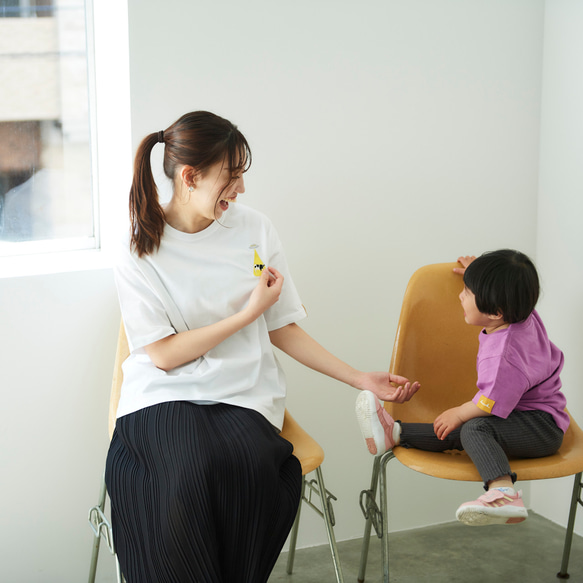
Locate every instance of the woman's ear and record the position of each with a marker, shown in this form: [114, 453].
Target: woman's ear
[188, 176]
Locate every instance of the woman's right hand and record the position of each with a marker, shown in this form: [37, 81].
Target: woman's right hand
[178, 349]
[266, 293]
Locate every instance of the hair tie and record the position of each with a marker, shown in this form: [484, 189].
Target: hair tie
[161, 137]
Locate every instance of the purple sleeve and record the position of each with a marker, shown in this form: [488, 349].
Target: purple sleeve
[500, 386]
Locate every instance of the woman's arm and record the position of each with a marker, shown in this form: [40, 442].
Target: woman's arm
[178, 349]
[298, 344]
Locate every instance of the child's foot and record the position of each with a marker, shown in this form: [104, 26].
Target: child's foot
[493, 507]
[375, 423]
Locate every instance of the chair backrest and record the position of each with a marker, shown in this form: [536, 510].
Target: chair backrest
[122, 352]
[434, 345]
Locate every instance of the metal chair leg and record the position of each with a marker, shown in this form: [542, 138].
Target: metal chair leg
[96, 531]
[294, 532]
[575, 499]
[375, 516]
[369, 507]
[120, 577]
[318, 488]
[385, 514]
[328, 521]
[101, 527]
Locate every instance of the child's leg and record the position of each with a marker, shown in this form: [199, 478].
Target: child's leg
[422, 436]
[488, 441]
[381, 432]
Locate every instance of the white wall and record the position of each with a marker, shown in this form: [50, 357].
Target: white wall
[560, 237]
[56, 357]
[386, 135]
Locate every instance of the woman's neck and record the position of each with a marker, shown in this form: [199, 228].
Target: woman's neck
[182, 218]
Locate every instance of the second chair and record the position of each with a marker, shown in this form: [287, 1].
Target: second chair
[435, 346]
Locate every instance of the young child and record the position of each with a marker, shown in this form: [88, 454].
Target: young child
[519, 409]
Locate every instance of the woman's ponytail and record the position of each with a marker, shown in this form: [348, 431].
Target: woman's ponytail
[146, 214]
[198, 139]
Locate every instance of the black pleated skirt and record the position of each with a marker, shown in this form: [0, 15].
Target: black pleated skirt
[200, 493]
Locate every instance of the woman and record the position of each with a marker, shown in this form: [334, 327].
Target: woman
[202, 486]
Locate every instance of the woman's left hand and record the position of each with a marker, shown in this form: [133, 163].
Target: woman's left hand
[389, 387]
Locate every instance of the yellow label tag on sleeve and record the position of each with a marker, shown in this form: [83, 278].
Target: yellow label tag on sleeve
[486, 404]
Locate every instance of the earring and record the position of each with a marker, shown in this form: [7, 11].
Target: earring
[190, 188]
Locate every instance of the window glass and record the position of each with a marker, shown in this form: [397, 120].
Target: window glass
[45, 142]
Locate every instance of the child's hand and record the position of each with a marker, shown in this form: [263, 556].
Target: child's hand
[389, 387]
[465, 261]
[446, 422]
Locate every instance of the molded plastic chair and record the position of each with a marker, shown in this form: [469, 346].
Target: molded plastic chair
[306, 449]
[435, 346]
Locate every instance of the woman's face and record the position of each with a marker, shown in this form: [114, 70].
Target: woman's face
[215, 190]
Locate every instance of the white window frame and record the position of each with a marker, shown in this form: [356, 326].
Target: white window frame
[110, 118]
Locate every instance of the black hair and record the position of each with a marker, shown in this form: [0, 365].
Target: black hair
[505, 282]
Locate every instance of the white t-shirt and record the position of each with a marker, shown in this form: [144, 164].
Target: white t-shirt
[210, 276]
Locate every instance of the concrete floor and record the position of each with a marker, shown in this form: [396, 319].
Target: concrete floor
[529, 552]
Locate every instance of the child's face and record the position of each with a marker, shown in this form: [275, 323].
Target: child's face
[474, 317]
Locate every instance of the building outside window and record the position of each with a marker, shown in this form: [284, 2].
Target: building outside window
[45, 139]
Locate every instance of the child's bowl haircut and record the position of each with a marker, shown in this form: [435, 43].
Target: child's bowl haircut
[505, 282]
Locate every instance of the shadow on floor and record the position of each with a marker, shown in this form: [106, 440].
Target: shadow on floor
[529, 552]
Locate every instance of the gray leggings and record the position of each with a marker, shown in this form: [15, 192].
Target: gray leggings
[490, 440]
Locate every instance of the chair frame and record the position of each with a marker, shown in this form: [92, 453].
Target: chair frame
[316, 486]
[306, 449]
[377, 517]
[102, 529]
[568, 461]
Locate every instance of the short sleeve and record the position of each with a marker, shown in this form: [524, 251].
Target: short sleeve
[501, 386]
[144, 316]
[289, 308]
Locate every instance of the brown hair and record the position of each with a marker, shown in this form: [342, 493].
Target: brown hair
[199, 139]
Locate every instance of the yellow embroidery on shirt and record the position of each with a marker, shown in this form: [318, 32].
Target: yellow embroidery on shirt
[486, 404]
[258, 265]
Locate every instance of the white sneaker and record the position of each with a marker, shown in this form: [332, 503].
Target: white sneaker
[375, 423]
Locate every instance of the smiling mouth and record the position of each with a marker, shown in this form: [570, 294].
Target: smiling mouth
[224, 203]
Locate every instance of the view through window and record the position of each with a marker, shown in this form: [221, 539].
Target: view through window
[45, 145]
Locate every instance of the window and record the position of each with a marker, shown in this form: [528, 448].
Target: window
[46, 185]
[27, 8]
